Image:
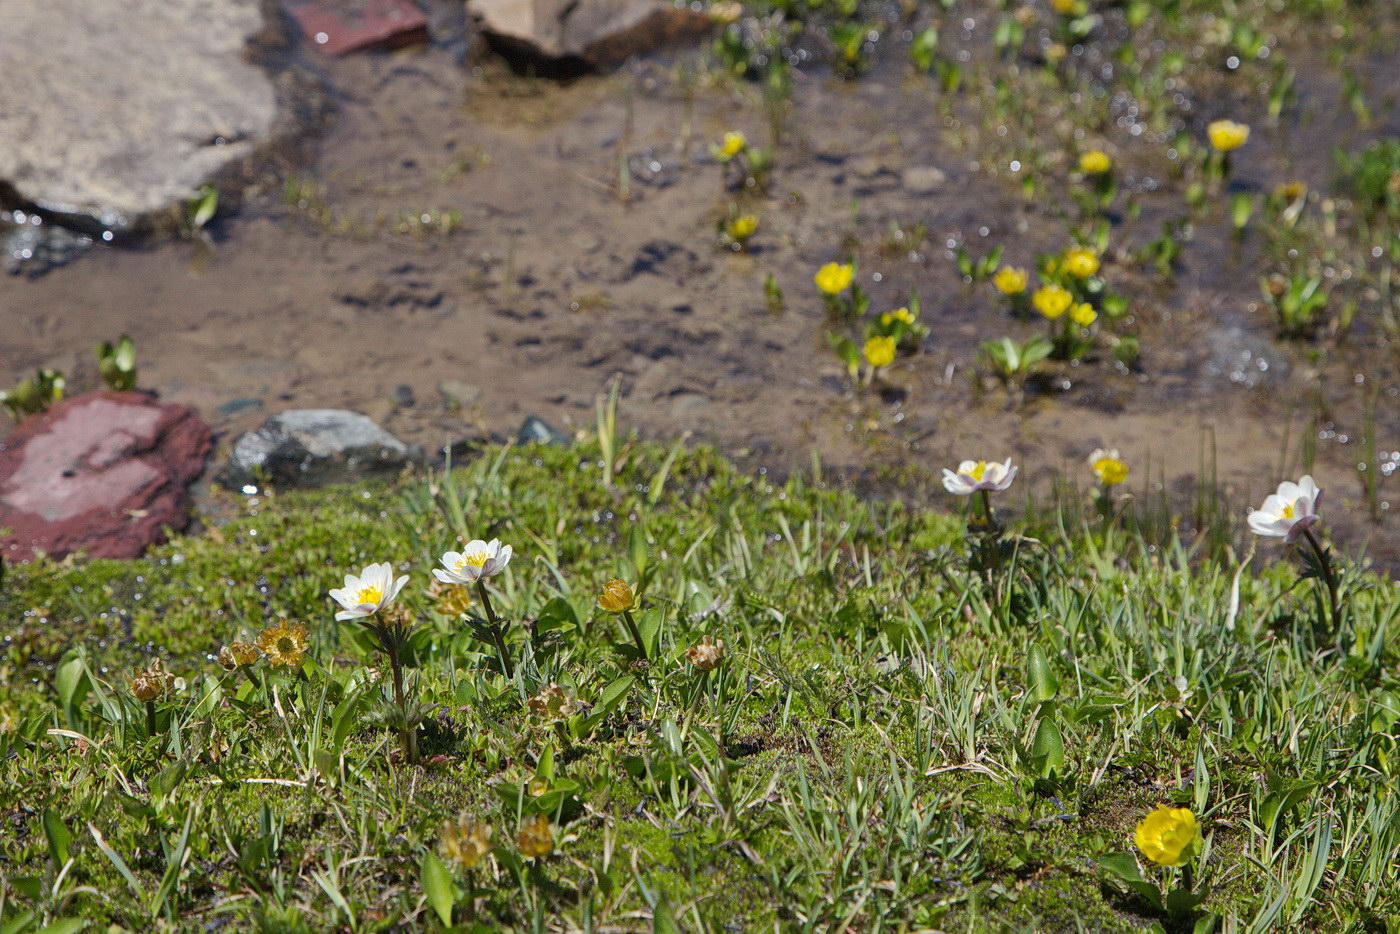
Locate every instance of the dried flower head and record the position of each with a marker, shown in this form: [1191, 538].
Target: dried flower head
[706, 654]
[553, 703]
[283, 644]
[152, 683]
[465, 841]
[237, 654]
[450, 599]
[617, 596]
[536, 837]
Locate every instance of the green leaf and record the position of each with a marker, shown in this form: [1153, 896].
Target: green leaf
[614, 693]
[1040, 675]
[59, 836]
[70, 681]
[1048, 748]
[64, 926]
[438, 886]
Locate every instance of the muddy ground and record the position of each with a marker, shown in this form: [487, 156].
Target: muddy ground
[551, 284]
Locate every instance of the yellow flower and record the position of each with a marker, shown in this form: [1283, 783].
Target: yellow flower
[1080, 262]
[465, 842]
[743, 226]
[1169, 836]
[536, 838]
[152, 683]
[734, 143]
[1083, 314]
[879, 351]
[1095, 162]
[237, 655]
[899, 314]
[1010, 280]
[1064, 7]
[1292, 191]
[617, 596]
[1108, 466]
[706, 654]
[283, 644]
[1226, 135]
[835, 278]
[1052, 301]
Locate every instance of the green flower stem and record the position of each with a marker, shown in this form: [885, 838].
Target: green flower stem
[636, 633]
[392, 642]
[1329, 578]
[986, 498]
[151, 717]
[497, 632]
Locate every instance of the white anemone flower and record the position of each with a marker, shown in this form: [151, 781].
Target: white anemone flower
[1288, 513]
[477, 561]
[974, 476]
[369, 593]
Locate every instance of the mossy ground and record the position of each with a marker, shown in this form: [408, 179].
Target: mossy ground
[865, 758]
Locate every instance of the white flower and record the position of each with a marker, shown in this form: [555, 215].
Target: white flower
[369, 593]
[1288, 513]
[477, 561]
[979, 475]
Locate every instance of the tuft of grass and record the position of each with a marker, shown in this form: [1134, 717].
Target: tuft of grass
[871, 754]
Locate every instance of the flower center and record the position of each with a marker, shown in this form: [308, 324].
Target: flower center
[1287, 511]
[476, 559]
[978, 470]
[371, 593]
[285, 645]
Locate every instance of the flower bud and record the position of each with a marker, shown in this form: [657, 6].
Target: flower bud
[237, 655]
[617, 596]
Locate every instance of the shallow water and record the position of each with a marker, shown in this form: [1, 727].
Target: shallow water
[465, 224]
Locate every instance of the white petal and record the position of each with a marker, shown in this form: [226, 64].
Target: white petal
[397, 587]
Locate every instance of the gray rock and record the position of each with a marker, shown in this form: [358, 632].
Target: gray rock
[688, 401]
[536, 430]
[458, 394]
[315, 447]
[600, 32]
[119, 109]
[924, 179]
[237, 406]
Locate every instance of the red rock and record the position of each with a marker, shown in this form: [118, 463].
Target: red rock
[338, 27]
[104, 473]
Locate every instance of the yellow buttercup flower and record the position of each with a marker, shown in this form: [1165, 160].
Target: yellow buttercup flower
[743, 226]
[536, 838]
[617, 596]
[1080, 262]
[1169, 836]
[1108, 466]
[1083, 314]
[1226, 135]
[835, 278]
[899, 314]
[734, 143]
[1064, 7]
[1095, 162]
[465, 842]
[879, 351]
[1010, 280]
[283, 644]
[1052, 301]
